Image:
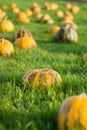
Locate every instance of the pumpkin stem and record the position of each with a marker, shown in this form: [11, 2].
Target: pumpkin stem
[2, 39]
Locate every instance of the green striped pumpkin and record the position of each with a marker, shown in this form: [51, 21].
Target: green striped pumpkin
[42, 77]
[21, 33]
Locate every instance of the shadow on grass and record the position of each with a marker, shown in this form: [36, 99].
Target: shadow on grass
[62, 47]
[13, 120]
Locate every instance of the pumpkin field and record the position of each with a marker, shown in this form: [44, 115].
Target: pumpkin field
[43, 65]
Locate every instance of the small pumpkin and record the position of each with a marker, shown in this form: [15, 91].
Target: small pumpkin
[85, 58]
[59, 13]
[72, 113]
[75, 9]
[67, 33]
[2, 14]
[15, 10]
[4, 6]
[53, 29]
[54, 6]
[45, 18]
[42, 78]
[28, 12]
[25, 42]
[22, 17]
[6, 25]
[68, 5]
[6, 47]
[21, 33]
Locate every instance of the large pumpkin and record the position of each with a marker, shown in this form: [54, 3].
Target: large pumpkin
[25, 42]
[72, 114]
[67, 33]
[6, 47]
[21, 33]
[42, 78]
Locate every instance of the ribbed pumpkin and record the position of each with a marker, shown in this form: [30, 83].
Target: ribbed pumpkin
[72, 113]
[42, 78]
[25, 42]
[67, 33]
[6, 25]
[21, 33]
[6, 47]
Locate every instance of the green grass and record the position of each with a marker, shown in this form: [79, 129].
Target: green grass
[24, 108]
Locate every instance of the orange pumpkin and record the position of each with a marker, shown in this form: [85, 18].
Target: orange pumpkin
[53, 29]
[6, 47]
[6, 25]
[4, 7]
[15, 10]
[68, 5]
[28, 12]
[75, 9]
[25, 42]
[42, 78]
[72, 113]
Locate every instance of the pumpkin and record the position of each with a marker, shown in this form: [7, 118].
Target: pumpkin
[75, 9]
[53, 29]
[6, 25]
[72, 113]
[2, 14]
[68, 5]
[15, 10]
[22, 17]
[28, 12]
[85, 58]
[25, 42]
[45, 18]
[38, 15]
[42, 78]
[47, 6]
[6, 47]
[13, 5]
[67, 33]
[59, 13]
[21, 33]
[4, 7]
[53, 6]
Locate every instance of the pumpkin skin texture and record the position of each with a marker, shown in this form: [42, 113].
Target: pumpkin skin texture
[6, 47]
[42, 78]
[67, 33]
[25, 42]
[72, 114]
[21, 33]
[6, 25]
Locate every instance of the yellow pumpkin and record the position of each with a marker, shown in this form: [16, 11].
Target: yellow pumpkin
[75, 9]
[59, 13]
[42, 78]
[45, 18]
[68, 5]
[2, 14]
[4, 7]
[6, 47]
[28, 12]
[25, 42]
[72, 113]
[6, 25]
[47, 6]
[54, 6]
[15, 10]
[53, 29]
[22, 17]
